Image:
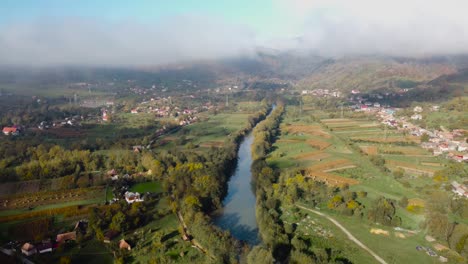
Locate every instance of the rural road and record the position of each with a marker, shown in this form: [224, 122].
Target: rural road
[350, 236]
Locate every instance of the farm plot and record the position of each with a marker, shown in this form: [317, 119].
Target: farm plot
[330, 179]
[321, 172]
[369, 150]
[64, 132]
[404, 150]
[317, 156]
[330, 165]
[411, 167]
[214, 131]
[212, 144]
[34, 186]
[48, 198]
[313, 130]
[319, 144]
[19, 187]
[389, 139]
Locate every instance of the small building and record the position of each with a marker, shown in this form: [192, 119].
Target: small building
[134, 111]
[416, 117]
[105, 117]
[459, 189]
[124, 245]
[132, 197]
[28, 249]
[417, 109]
[61, 238]
[14, 131]
[435, 108]
[137, 149]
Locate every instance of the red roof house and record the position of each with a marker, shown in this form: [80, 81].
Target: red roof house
[10, 131]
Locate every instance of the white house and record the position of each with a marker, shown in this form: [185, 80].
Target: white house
[417, 109]
[459, 189]
[132, 197]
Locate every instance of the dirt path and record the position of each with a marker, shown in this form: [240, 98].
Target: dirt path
[348, 234]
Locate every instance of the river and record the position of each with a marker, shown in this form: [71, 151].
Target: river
[238, 212]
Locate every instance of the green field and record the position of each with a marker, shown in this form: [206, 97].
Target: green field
[213, 130]
[384, 246]
[293, 151]
[143, 187]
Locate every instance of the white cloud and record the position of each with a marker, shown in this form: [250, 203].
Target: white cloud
[327, 27]
[89, 42]
[406, 28]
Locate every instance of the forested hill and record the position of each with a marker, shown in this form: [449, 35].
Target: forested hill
[373, 73]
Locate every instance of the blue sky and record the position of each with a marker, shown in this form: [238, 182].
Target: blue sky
[158, 32]
[260, 15]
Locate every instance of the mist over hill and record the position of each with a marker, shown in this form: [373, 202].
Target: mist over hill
[301, 70]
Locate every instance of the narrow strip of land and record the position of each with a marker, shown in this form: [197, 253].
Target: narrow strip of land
[348, 234]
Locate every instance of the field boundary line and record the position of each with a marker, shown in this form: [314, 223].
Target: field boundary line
[348, 234]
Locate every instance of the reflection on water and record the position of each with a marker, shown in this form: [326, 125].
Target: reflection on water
[238, 213]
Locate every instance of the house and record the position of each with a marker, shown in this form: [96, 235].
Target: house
[137, 149]
[124, 245]
[416, 117]
[444, 147]
[44, 247]
[11, 131]
[376, 105]
[109, 235]
[131, 197]
[459, 189]
[105, 117]
[435, 108]
[28, 249]
[134, 111]
[66, 237]
[462, 147]
[417, 109]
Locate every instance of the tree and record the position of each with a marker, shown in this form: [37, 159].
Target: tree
[425, 137]
[403, 202]
[118, 222]
[383, 211]
[398, 173]
[260, 255]
[65, 260]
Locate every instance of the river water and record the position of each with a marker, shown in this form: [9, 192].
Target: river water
[238, 212]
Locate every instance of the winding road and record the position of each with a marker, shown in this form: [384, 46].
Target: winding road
[348, 234]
